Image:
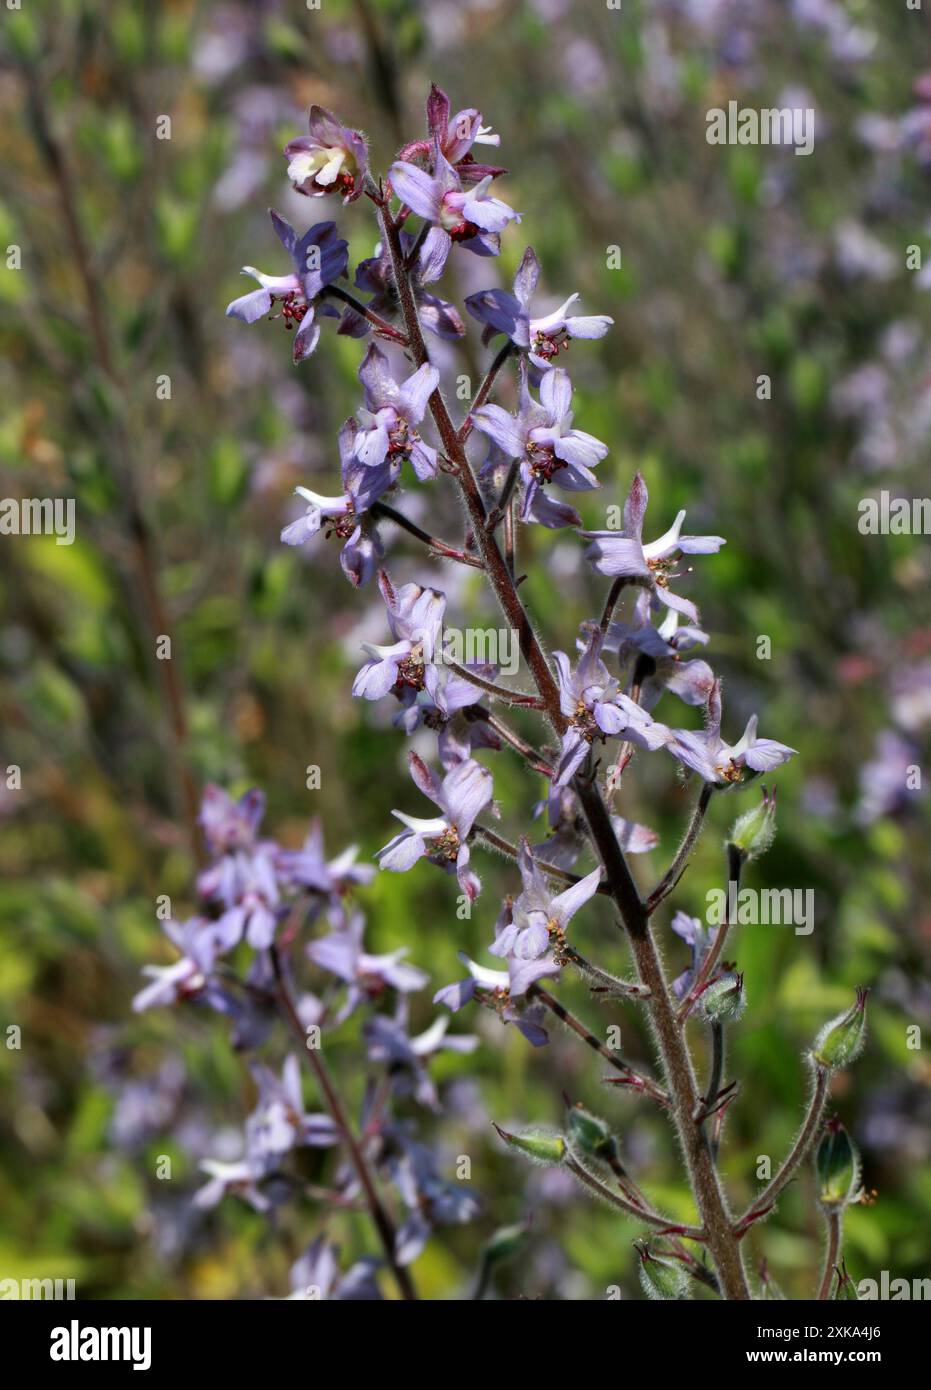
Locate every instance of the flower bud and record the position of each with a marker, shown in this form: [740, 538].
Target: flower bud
[505, 1243]
[837, 1164]
[660, 1277]
[753, 832]
[845, 1288]
[590, 1134]
[543, 1146]
[724, 1000]
[841, 1040]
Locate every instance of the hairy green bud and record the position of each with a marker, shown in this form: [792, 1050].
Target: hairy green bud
[837, 1163]
[841, 1041]
[590, 1134]
[543, 1146]
[505, 1243]
[724, 1001]
[660, 1277]
[754, 831]
[845, 1288]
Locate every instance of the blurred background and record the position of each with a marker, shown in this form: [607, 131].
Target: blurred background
[736, 262]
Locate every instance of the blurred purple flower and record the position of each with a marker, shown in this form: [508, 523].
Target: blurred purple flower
[368, 976]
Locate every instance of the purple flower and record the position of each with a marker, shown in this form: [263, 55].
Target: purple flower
[315, 1276]
[533, 941]
[375, 276]
[406, 1058]
[319, 258]
[368, 976]
[279, 1122]
[622, 554]
[241, 1178]
[592, 702]
[459, 733]
[430, 1199]
[568, 832]
[655, 653]
[245, 885]
[550, 450]
[542, 338]
[415, 617]
[492, 988]
[200, 943]
[309, 869]
[723, 764]
[461, 796]
[344, 515]
[229, 824]
[456, 135]
[701, 939]
[468, 215]
[387, 426]
[331, 159]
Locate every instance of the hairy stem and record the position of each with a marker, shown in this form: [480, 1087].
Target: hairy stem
[588, 1037]
[833, 1221]
[672, 875]
[484, 390]
[381, 510]
[706, 969]
[501, 692]
[382, 326]
[795, 1156]
[648, 1216]
[677, 1064]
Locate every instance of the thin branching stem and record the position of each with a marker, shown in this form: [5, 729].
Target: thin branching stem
[382, 1221]
[806, 1135]
[445, 551]
[833, 1223]
[689, 840]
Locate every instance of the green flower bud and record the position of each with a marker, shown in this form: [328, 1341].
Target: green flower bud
[841, 1040]
[837, 1164]
[845, 1288]
[590, 1134]
[754, 831]
[543, 1146]
[724, 1000]
[505, 1243]
[661, 1278]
